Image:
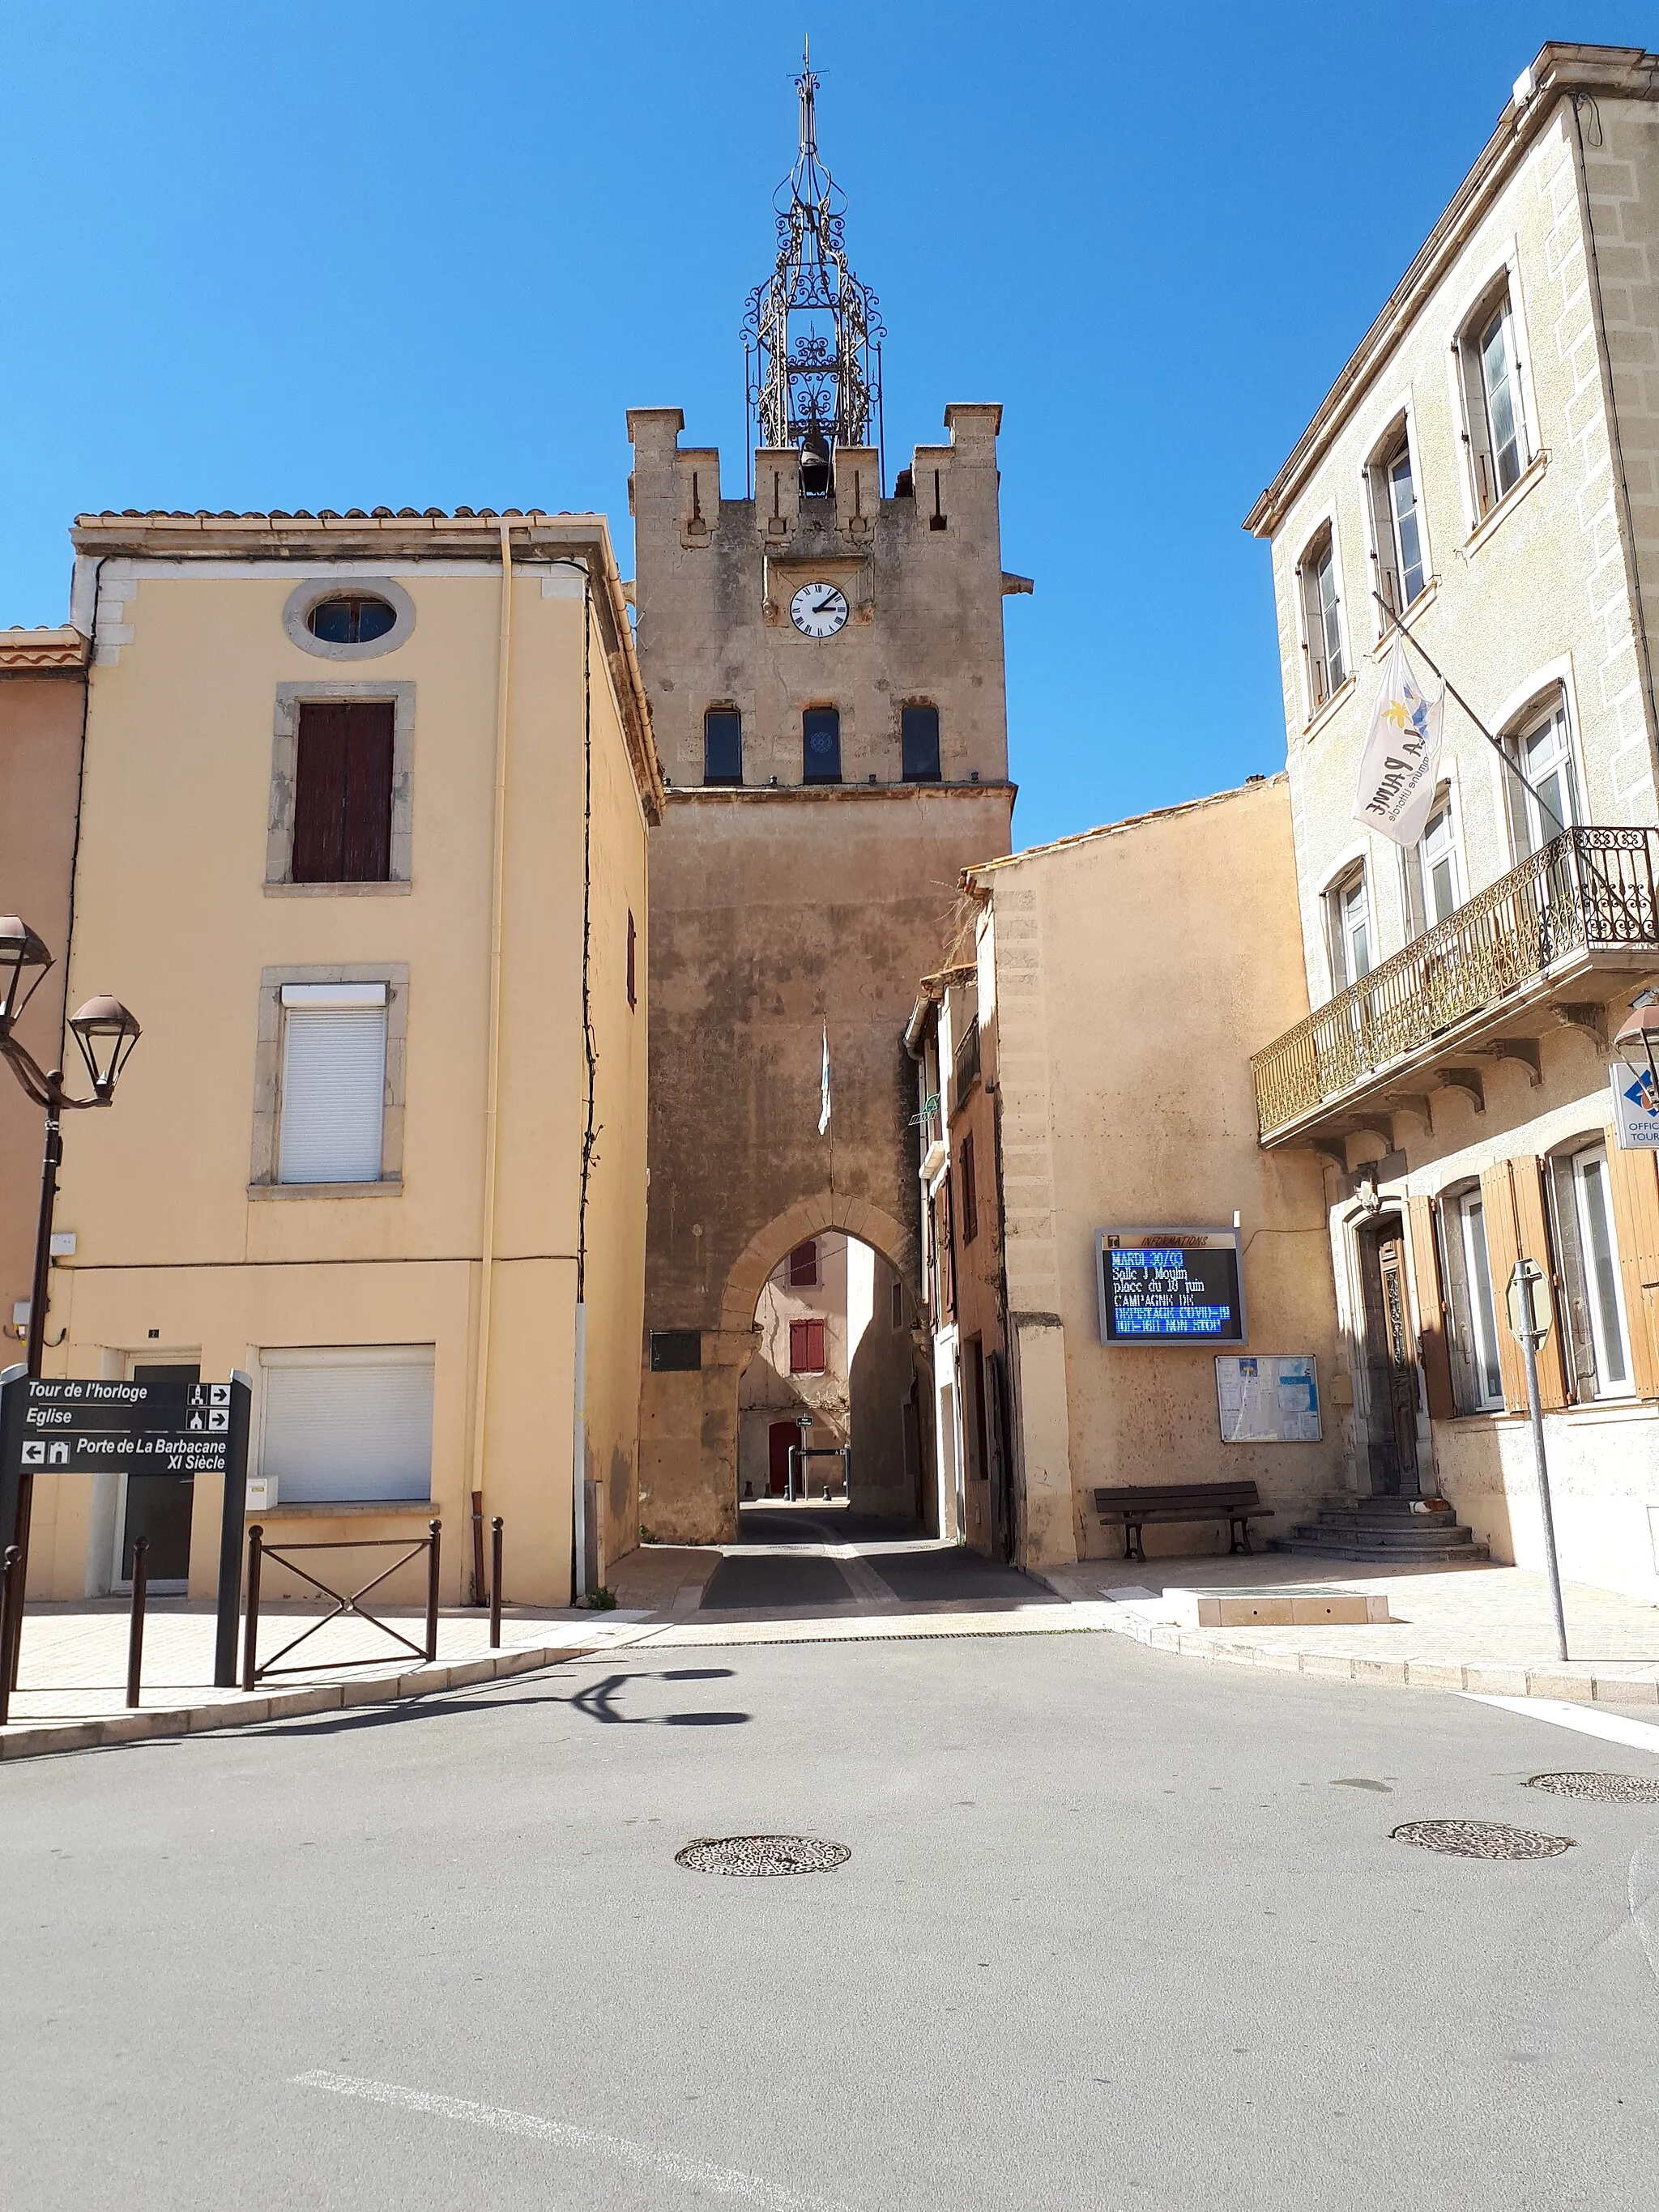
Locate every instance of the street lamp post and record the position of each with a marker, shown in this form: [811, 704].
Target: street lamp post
[106, 1033]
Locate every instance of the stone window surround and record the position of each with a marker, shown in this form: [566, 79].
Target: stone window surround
[268, 1079]
[315, 589]
[284, 763]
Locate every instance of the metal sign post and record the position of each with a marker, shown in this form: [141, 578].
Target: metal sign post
[80, 1425]
[1530, 1316]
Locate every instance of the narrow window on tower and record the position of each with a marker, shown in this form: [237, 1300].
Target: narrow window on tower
[918, 743]
[820, 729]
[722, 745]
[343, 792]
[633, 992]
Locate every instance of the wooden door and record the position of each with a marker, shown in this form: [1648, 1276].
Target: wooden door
[1392, 1393]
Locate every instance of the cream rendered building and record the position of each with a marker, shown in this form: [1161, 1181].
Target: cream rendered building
[1487, 466]
[362, 840]
[1053, 1109]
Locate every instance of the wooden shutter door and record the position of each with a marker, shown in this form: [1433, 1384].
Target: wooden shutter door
[1503, 1250]
[319, 790]
[1432, 1351]
[368, 834]
[1527, 1176]
[1634, 1178]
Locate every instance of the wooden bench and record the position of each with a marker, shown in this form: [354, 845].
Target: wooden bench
[1237, 1503]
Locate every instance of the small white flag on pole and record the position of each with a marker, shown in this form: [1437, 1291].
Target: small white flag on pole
[1398, 767]
[823, 1109]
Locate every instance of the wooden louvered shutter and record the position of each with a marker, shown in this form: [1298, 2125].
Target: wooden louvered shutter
[1503, 1250]
[1527, 1181]
[1634, 1179]
[1433, 1350]
[319, 788]
[367, 855]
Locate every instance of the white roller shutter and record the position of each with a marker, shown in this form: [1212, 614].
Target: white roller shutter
[345, 1425]
[333, 1088]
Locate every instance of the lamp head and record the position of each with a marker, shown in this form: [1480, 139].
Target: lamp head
[106, 1033]
[23, 961]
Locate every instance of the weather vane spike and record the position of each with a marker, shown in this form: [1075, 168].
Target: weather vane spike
[812, 332]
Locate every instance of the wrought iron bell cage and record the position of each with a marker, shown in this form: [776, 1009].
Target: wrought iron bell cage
[812, 333]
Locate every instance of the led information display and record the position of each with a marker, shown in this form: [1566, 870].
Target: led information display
[128, 1428]
[1169, 1286]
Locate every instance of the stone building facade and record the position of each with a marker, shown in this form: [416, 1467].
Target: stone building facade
[789, 904]
[1485, 469]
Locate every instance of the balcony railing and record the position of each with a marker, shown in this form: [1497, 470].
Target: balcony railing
[1588, 890]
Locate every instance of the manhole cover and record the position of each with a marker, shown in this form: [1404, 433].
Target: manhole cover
[1481, 1839]
[761, 1854]
[1606, 1788]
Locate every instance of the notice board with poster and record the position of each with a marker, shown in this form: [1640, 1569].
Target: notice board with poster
[1268, 1399]
[1169, 1286]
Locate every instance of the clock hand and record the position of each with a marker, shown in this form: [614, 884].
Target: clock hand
[825, 603]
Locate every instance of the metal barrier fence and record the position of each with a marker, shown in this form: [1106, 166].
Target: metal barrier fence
[345, 1602]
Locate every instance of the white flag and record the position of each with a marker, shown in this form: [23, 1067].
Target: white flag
[823, 1109]
[1399, 766]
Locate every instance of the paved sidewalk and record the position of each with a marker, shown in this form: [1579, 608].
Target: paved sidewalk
[1484, 1628]
[71, 1687]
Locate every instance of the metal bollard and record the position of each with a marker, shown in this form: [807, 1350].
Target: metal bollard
[11, 1576]
[136, 1623]
[495, 1583]
[433, 1528]
[251, 1631]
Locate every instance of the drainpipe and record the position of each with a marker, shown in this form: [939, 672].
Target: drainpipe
[493, 1061]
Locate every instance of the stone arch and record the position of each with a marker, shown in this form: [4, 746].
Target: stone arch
[809, 1216]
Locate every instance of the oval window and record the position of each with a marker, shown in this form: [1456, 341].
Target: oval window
[350, 620]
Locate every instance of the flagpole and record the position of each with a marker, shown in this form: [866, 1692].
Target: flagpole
[1452, 690]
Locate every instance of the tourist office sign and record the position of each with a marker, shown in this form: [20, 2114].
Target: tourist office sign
[79, 1425]
[1169, 1286]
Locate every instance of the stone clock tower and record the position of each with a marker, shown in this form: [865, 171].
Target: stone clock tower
[823, 659]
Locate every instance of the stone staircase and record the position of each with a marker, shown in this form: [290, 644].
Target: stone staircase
[1384, 1529]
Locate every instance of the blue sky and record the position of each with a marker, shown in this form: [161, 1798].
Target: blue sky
[425, 254]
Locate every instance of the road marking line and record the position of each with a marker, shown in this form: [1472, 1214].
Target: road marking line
[722, 2180]
[1612, 1727]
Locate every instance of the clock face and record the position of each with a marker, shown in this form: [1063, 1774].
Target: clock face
[819, 609]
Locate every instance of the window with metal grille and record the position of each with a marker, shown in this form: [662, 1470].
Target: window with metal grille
[820, 731]
[803, 1266]
[918, 744]
[333, 1083]
[722, 745]
[969, 1194]
[806, 1355]
[343, 792]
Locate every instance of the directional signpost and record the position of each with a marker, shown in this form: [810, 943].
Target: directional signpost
[1530, 1316]
[79, 1425]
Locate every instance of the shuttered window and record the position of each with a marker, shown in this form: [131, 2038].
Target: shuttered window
[343, 792]
[345, 1425]
[333, 1082]
[803, 1266]
[806, 1347]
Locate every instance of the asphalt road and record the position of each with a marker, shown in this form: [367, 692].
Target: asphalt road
[1118, 1929]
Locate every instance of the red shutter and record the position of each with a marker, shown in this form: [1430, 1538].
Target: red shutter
[367, 835]
[803, 1266]
[320, 780]
[806, 1347]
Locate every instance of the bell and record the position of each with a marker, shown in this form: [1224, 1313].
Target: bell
[816, 477]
